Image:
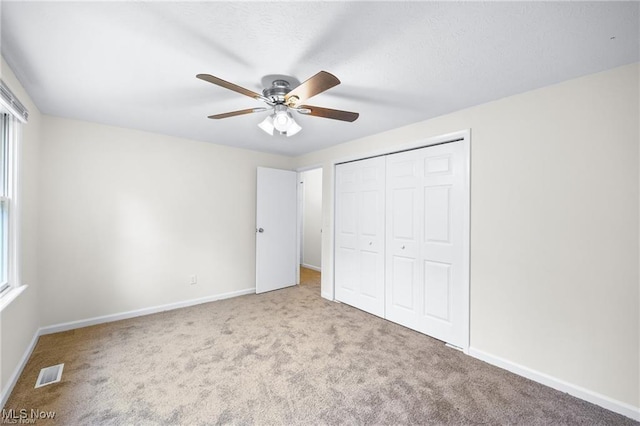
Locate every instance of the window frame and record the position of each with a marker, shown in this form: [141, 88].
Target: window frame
[12, 115]
[5, 202]
[9, 251]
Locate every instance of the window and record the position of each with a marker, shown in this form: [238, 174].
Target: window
[5, 202]
[12, 114]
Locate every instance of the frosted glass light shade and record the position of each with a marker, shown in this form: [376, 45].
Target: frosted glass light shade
[293, 128]
[267, 125]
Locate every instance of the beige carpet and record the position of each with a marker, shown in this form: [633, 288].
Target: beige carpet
[284, 357]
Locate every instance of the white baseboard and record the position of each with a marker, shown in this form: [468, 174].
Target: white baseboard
[555, 383]
[16, 374]
[327, 296]
[315, 268]
[140, 312]
[104, 319]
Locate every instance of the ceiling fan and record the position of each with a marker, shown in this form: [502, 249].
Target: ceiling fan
[282, 99]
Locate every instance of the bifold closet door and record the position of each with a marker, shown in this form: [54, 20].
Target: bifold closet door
[359, 235]
[424, 241]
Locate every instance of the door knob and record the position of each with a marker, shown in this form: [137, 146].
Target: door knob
[260, 230]
[402, 247]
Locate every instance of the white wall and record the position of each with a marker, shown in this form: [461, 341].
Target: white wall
[20, 320]
[554, 227]
[128, 216]
[312, 218]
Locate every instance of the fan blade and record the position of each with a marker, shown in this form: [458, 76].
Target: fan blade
[313, 86]
[334, 114]
[234, 113]
[222, 83]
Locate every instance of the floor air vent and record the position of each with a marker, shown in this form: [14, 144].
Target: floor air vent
[49, 375]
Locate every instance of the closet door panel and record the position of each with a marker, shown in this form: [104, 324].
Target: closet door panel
[425, 231]
[359, 239]
[404, 226]
[346, 237]
[442, 245]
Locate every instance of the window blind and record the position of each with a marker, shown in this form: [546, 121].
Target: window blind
[12, 104]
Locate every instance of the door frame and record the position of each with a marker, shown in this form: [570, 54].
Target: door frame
[463, 136]
[299, 222]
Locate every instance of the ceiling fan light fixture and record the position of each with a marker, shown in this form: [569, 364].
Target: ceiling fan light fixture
[267, 125]
[282, 121]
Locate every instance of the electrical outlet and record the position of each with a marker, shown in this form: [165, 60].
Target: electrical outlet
[193, 280]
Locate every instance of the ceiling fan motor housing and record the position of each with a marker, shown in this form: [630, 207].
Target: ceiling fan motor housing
[277, 91]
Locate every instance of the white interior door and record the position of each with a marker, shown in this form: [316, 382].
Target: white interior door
[276, 226]
[425, 284]
[359, 234]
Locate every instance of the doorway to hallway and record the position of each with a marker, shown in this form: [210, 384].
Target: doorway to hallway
[310, 226]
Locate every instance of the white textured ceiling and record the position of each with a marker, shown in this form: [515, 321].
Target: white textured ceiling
[133, 64]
